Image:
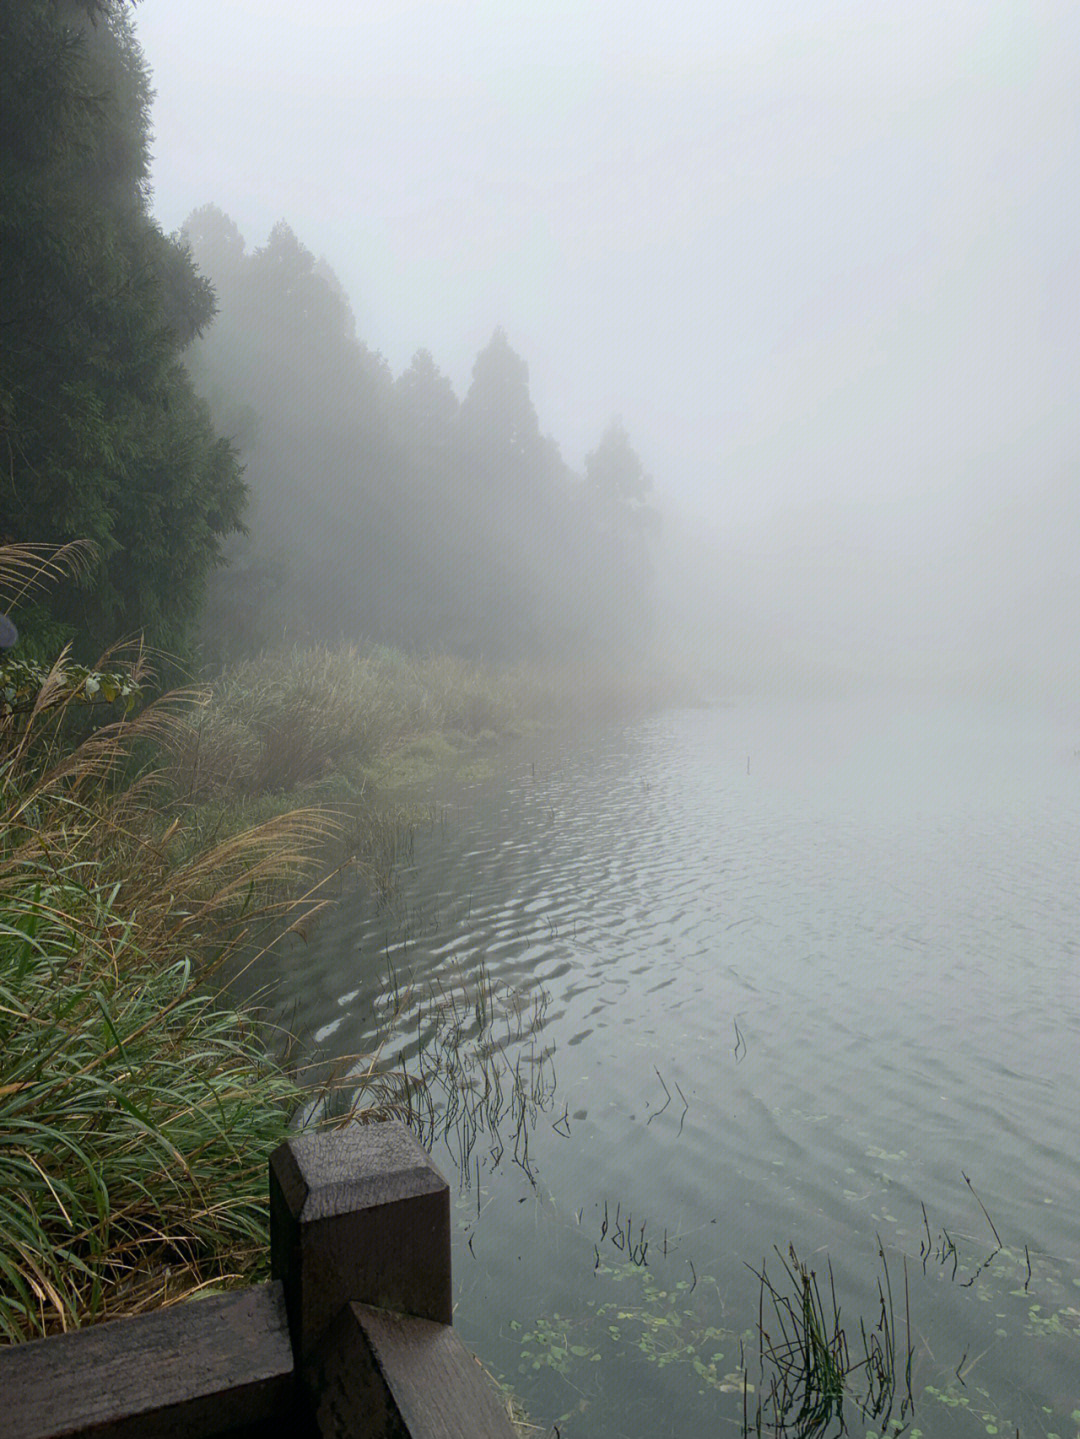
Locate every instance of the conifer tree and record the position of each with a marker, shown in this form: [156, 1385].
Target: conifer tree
[101, 434]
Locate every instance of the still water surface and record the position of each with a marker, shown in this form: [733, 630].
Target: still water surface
[756, 975]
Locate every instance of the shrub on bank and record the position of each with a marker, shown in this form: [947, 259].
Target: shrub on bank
[286, 721]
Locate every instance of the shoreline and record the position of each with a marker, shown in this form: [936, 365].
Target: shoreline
[125, 886]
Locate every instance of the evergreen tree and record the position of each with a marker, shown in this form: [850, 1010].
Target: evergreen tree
[512, 472]
[621, 526]
[425, 411]
[283, 363]
[384, 509]
[101, 433]
[497, 412]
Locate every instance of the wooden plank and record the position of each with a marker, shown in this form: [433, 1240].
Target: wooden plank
[191, 1371]
[359, 1213]
[379, 1375]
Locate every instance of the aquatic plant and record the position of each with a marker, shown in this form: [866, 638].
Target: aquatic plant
[461, 1063]
[808, 1370]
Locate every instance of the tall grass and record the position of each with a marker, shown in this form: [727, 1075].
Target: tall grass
[284, 721]
[809, 1371]
[136, 1109]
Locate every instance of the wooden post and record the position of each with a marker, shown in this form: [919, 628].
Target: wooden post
[351, 1339]
[358, 1214]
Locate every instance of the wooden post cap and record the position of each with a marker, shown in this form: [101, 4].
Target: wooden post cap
[358, 1214]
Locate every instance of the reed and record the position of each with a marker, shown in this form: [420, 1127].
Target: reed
[137, 1108]
[808, 1370]
[286, 720]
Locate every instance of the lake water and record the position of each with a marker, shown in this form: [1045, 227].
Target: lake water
[720, 981]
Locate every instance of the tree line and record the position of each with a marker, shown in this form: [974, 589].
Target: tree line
[249, 471]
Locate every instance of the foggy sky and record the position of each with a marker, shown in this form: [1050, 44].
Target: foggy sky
[822, 257]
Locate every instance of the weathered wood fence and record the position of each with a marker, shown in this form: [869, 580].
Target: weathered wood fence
[351, 1339]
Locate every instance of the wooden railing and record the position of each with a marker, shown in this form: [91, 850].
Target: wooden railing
[351, 1339]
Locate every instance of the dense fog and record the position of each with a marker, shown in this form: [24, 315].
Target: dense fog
[822, 263]
[539, 600]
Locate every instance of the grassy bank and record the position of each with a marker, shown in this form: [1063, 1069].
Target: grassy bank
[338, 721]
[368, 732]
[140, 855]
[333, 719]
[136, 1113]
[136, 1110]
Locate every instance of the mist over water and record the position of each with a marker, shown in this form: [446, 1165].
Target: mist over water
[835, 936]
[738, 343]
[644, 439]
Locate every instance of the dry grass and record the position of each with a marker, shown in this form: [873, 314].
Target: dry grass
[286, 721]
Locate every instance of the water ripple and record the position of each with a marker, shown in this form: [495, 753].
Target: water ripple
[790, 1004]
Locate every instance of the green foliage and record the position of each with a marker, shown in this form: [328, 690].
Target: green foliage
[648, 1323]
[614, 474]
[136, 1108]
[383, 510]
[288, 376]
[615, 509]
[27, 687]
[135, 1115]
[425, 411]
[498, 411]
[102, 435]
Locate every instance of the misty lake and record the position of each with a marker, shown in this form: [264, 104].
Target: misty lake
[700, 986]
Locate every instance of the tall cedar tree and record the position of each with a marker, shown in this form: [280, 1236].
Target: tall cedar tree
[624, 526]
[101, 434]
[326, 513]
